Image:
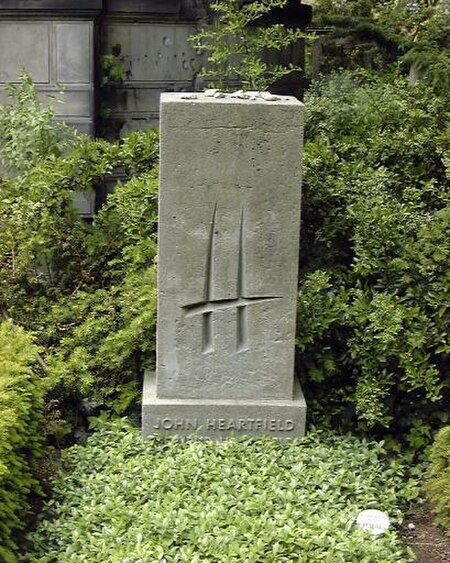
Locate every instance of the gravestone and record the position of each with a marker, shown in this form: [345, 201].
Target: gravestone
[229, 218]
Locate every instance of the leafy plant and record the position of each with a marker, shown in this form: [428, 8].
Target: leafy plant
[373, 316]
[437, 485]
[21, 393]
[28, 132]
[121, 498]
[376, 34]
[111, 81]
[429, 53]
[85, 290]
[237, 48]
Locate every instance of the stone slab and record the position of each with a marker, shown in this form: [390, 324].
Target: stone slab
[230, 186]
[220, 419]
[74, 52]
[25, 45]
[144, 6]
[153, 51]
[51, 5]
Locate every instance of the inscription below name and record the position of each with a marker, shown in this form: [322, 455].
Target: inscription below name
[239, 425]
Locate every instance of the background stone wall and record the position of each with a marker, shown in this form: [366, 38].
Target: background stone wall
[65, 41]
[156, 57]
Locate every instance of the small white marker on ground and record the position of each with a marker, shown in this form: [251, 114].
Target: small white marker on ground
[373, 521]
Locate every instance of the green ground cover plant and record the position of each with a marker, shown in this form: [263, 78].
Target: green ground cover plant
[21, 406]
[373, 308]
[123, 499]
[437, 484]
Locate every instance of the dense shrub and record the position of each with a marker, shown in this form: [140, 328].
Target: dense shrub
[123, 499]
[380, 34]
[438, 478]
[21, 393]
[85, 289]
[359, 33]
[238, 47]
[373, 308]
[28, 131]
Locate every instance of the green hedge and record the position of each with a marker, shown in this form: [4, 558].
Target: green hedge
[373, 309]
[20, 409]
[438, 478]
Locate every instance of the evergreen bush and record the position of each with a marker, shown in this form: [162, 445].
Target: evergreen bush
[380, 34]
[437, 485]
[86, 289]
[21, 392]
[373, 310]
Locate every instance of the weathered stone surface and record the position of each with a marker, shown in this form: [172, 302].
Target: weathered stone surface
[219, 419]
[157, 57]
[25, 45]
[155, 52]
[51, 5]
[228, 247]
[52, 51]
[144, 6]
[74, 53]
[229, 224]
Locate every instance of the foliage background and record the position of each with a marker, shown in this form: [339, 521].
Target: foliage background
[238, 48]
[413, 35]
[85, 290]
[437, 485]
[373, 309]
[21, 406]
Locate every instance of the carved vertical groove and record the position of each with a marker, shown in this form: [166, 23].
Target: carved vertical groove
[241, 260]
[242, 328]
[207, 324]
[209, 271]
[207, 337]
[241, 311]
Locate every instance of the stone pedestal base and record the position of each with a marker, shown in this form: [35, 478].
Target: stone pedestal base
[220, 419]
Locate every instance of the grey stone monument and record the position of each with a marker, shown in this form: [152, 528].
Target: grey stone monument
[230, 182]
